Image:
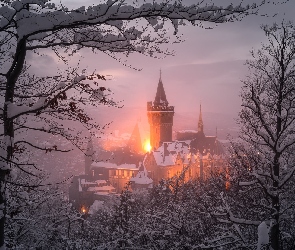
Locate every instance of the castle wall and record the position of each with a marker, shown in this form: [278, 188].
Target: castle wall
[161, 122]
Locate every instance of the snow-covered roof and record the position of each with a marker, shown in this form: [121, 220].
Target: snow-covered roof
[104, 193]
[95, 206]
[85, 182]
[187, 131]
[101, 189]
[102, 164]
[169, 152]
[166, 155]
[127, 166]
[142, 177]
[101, 182]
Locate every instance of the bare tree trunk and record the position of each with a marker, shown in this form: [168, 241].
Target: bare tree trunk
[11, 77]
[275, 227]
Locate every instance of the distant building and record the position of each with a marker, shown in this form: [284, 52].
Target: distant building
[117, 175]
[83, 192]
[115, 170]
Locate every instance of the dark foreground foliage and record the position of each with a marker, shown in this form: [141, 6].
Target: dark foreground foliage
[197, 216]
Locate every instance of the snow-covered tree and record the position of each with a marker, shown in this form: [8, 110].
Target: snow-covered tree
[263, 162]
[43, 104]
[38, 219]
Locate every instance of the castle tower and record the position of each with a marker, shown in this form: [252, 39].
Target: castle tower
[160, 117]
[200, 122]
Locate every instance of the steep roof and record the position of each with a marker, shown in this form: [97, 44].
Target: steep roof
[120, 155]
[160, 99]
[188, 151]
[134, 143]
[102, 164]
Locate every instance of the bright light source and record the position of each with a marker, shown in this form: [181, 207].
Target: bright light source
[83, 210]
[147, 146]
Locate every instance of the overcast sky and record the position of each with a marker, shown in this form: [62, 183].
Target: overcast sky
[206, 68]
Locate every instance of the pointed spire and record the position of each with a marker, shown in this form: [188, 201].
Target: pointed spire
[160, 98]
[134, 143]
[200, 123]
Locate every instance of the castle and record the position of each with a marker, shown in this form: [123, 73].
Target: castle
[192, 155]
[192, 151]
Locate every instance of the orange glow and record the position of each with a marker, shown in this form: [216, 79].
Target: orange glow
[83, 210]
[147, 146]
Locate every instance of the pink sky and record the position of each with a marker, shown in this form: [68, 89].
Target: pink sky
[206, 68]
